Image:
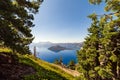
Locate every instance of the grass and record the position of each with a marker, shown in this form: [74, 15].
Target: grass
[44, 70]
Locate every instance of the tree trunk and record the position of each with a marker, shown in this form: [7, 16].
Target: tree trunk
[35, 51]
[118, 70]
[114, 70]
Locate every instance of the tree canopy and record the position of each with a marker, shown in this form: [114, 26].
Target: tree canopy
[99, 58]
[16, 18]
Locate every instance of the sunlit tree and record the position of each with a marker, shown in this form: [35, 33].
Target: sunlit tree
[102, 62]
[71, 65]
[88, 56]
[16, 18]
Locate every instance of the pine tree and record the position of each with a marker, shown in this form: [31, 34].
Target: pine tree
[16, 18]
[111, 40]
[88, 55]
[61, 60]
[110, 49]
[106, 53]
[56, 61]
[71, 65]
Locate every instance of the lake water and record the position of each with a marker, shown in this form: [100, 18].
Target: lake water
[50, 56]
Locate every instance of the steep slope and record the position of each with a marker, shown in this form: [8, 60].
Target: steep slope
[69, 71]
[55, 71]
[27, 67]
[43, 70]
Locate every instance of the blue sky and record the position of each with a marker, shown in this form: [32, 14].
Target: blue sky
[64, 20]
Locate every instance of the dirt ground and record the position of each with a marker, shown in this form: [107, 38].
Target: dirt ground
[12, 70]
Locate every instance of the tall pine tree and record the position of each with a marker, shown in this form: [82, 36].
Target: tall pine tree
[107, 52]
[16, 18]
[88, 55]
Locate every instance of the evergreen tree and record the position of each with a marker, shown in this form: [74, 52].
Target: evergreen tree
[110, 52]
[71, 65]
[16, 18]
[88, 55]
[106, 51]
[56, 61]
[110, 49]
[61, 61]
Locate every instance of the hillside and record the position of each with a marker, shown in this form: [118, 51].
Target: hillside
[27, 67]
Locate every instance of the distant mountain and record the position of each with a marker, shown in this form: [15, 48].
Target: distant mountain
[71, 45]
[75, 46]
[42, 44]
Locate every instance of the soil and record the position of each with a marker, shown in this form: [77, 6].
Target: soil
[69, 71]
[10, 69]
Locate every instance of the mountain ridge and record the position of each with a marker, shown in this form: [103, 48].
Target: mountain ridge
[73, 45]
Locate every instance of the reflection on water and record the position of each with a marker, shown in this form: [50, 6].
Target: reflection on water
[50, 56]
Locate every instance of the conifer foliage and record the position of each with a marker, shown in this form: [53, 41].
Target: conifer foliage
[99, 58]
[16, 18]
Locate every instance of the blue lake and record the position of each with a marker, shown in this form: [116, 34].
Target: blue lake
[50, 56]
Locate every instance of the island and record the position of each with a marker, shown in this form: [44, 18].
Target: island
[58, 48]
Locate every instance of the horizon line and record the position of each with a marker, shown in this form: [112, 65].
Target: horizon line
[55, 42]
